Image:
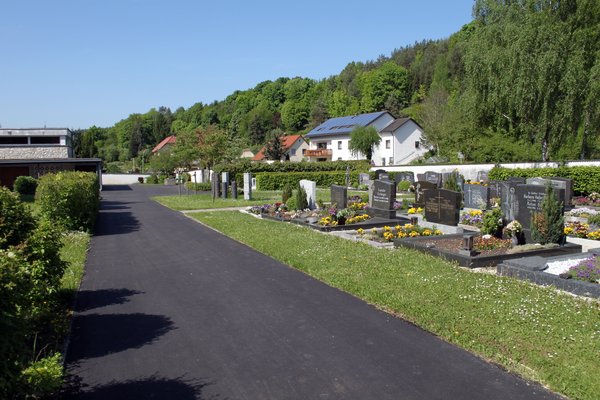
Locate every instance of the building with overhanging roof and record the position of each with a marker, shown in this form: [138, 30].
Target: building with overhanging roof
[401, 139]
[37, 151]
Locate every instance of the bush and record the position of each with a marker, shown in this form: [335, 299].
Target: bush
[278, 180]
[287, 193]
[452, 182]
[114, 168]
[152, 179]
[30, 273]
[301, 198]
[404, 186]
[291, 203]
[44, 377]
[70, 199]
[25, 184]
[204, 186]
[548, 226]
[586, 179]
[492, 222]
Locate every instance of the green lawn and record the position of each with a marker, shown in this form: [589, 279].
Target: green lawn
[536, 332]
[204, 201]
[74, 251]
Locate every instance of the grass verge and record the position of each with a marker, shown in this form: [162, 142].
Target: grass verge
[537, 332]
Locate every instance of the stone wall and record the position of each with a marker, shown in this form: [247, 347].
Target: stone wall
[33, 152]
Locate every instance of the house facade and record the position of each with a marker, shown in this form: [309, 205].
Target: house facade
[35, 152]
[401, 139]
[294, 147]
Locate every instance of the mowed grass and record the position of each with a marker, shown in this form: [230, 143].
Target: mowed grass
[537, 332]
[205, 201]
[74, 252]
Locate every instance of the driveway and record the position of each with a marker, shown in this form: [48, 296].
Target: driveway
[170, 309]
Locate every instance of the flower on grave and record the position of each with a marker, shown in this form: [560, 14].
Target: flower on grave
[408, 226]
[594, 235]
[374, 230]
[387, 235]
[401, 234]
[513, 228]
[360, 231]
[387, 228]
[426, 232]
[486, 237]
[413, 234]
[437, 232]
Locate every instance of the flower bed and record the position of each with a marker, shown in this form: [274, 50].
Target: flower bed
[581, 230]
[472, 218]
[388, 234]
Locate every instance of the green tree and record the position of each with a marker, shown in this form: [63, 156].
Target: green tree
[274, 147]
[387, 84]
[362, 140]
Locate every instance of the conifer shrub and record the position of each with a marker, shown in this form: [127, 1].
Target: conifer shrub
[301, 198]
[287, 193]
[548, 226]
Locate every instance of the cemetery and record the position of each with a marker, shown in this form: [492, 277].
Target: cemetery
[485, 223]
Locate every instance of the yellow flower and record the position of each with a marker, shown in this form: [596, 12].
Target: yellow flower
[426, 232]
[387, 228]
[360, 231]
[401, 234]
[413, 234]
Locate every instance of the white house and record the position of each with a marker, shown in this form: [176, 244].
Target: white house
[401, 139]
[294, 147]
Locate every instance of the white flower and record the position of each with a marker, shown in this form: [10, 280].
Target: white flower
[486, 237]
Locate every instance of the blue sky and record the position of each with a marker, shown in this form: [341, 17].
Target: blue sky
[80, 63]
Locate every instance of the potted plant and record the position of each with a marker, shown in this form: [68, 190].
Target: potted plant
[513, 230]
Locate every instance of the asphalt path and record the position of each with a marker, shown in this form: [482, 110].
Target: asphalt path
[170, 309]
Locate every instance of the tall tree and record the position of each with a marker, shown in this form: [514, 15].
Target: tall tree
[362, 141]
[274, 147]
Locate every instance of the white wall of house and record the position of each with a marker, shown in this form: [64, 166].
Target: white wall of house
[295, 151]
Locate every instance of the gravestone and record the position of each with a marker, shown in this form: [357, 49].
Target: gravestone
[404, 176]
[384, 176]
[516, 180]
[378, 172]
[311, 192]
[234, 193]
[384, 196]
[339, 196]
[253, 184]
[442, 206]
[556, 183]
[225, 177]
[529, 198]
[247, 186]
[224, 188]
[421, 177]
[495, 189]
[363, 179]
[508, 201]
[420, 188]
[476, 196]
[215, 185]
[433, 177]
[482, 176]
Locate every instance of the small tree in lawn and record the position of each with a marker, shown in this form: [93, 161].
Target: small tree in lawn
[274, 148]
[362, 140]
[301, 198]
[548, 226]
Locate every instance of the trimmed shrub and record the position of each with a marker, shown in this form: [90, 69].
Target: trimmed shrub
[204, 186]
[301, 198]
[16, 221]
[291, 203]
[586, 179]
[493, 223]
[287, 193]
[548, 226]
[278, 180]
[25, 184]
[70, 199]
[404, 186]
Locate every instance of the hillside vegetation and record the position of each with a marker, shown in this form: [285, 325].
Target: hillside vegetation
[520, 82]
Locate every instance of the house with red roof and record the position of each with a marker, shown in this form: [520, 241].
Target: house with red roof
[165, 144]
[294, 147]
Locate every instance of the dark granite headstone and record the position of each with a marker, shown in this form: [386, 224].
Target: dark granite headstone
[476, 196]
[421, 177]
[339, 196]
[384, 196]
[420, 187]
[495, 189]
[404, 176]
[378, 173]
[482, 176]
[557, 183]
[442, 206]
[508, 201]
[384, 176]
[528, 199]
[433, 177]
[363, 179]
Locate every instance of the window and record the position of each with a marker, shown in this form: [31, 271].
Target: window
[339, 158]
[391, 161]
[417, 145]
[293, 152]
[303, 151]
[339, 145]
[322, 145]
[45, 140]
[13, 140]
[388, 144]
[383, 161]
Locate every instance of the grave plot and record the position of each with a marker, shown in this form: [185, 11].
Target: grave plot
[576, 273]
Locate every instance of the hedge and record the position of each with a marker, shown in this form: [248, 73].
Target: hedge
[237, 169]
[586, 179]
[277, 180]
[70, 199]
[25, 184]
[198, 186]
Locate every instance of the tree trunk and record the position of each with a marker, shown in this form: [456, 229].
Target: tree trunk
[545, 145]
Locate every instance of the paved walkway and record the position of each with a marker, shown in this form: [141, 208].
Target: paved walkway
[169, 309]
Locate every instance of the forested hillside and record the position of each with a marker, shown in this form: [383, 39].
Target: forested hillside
[520, 82]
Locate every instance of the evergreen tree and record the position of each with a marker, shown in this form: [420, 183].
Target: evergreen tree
[548, 226]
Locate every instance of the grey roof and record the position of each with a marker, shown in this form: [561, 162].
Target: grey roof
[50, 160]
[397, 124]
[343, 125]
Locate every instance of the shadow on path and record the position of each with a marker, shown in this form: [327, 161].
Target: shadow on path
[116, 223]
[114, 188]
[90, 299]
[156, 388]
[111, 333]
